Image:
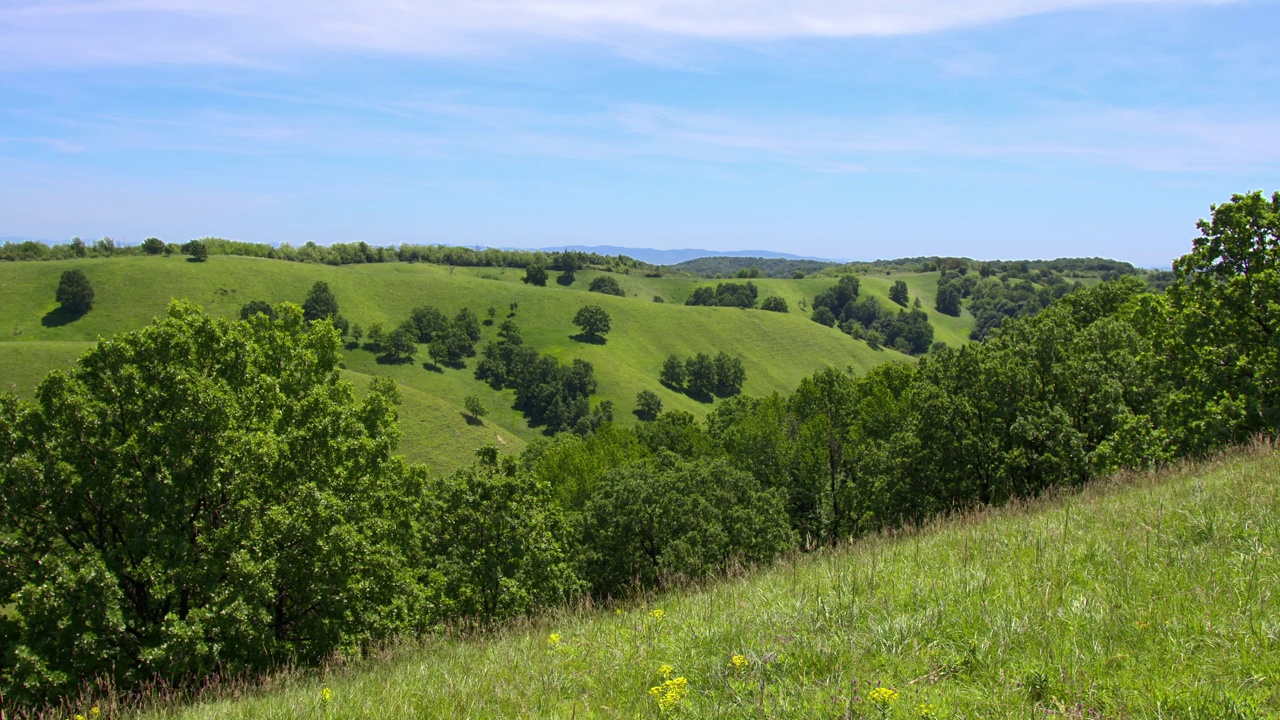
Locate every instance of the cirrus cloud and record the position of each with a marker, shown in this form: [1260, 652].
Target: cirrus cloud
[77, 32]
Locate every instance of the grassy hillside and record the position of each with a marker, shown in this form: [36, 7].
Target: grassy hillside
[1152, 598]
[778, 350]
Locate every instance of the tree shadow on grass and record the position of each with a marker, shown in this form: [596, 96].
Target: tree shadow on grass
[61, 316]
[392, 360]
[472, 420]
[702, 397]
[432, 367]
[590, 339]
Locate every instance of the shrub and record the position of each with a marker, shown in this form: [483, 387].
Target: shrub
[773, 303]
[606, 284]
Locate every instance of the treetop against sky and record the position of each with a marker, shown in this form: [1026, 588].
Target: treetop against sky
[859, 130]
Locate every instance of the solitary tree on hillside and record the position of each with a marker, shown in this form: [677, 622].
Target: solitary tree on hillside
[535, 274]
[320, 302]
[948, 300]
[75, 294]
[607, 285]
[773, 303]
[475, 408]
[592, 320]
[648, 405]
[898, 293]
[153, 246]
[199, 251]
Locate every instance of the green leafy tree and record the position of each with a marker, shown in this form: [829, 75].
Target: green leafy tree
[729, 374]
[377, 336]
[198, 250]
[948, 300]
[474, 407]
[256, 307]
[428, 322]
[648, 405]
[836, 299]
[142, 551]
[823, 316]
[1224, 316]
[399, 344]
[671, 520]
[592, 320]
[899, 293]
[700, 376]
[606, 284]
[75, 294]
[702, 296]
[673, 373]
[495, 543]
[773, 303]
[357, 333]
[320, 302]
[535, 274]
[467, 324]
[153, 246]
[451, 347]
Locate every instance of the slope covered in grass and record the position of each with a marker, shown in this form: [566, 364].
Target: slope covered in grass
[1155, 597]
[778, 350]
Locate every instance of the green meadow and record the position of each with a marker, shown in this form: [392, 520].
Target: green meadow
[778, 350]
[1152, 596]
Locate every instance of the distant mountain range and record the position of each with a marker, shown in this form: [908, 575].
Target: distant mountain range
[673, 257]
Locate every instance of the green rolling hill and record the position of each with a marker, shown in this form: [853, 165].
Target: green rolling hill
[778, 350]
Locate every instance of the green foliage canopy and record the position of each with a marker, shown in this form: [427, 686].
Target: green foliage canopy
[200, 495]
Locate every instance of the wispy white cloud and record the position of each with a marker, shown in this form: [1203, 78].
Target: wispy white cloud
[447, 126]
[249, 31]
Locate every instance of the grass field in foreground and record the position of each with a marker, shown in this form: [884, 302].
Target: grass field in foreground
[1153, 598]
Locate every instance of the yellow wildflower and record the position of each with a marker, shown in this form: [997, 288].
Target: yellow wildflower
[95, 711]
[554, 639]
[883, 696]
[79, 717]
[665, 670]
[669, 694]
[739, 662]
[925, 711]
[326, 695]
[658, 614]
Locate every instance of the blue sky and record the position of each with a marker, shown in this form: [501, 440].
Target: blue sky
[859, 129]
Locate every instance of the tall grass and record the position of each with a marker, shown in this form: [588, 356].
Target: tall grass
[1151, 596]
